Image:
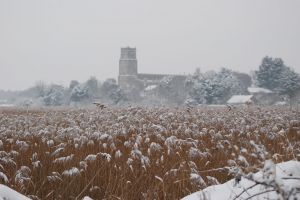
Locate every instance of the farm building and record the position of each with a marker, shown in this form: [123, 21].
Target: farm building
[264, 96]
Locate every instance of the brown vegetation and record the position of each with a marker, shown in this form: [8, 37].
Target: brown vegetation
[138, 153]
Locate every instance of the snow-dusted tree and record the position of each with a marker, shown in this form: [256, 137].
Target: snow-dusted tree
[73, 84]
[229, 85]
[197, 92]
[244, 78]
[54, 95]
[111, 91]
[165, 89]
[117, 96]
[269, 73]
[79, 93]
[214, 88]
[195, 87]
[92, 85]
[275, 75]
[40, 88]
[199, 85]
[289, 83]
[170, 90]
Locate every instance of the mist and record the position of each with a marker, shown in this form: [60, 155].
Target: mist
[59, 41]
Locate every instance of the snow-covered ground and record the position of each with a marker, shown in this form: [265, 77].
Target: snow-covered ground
[7, 105]
[280, 181]
[7, 193]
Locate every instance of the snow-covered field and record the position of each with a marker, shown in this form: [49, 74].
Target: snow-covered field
[143, 153]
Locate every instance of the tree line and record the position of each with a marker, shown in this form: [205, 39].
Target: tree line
[212, 87]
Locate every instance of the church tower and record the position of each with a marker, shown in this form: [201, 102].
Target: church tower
[128, 62]
[127, 68]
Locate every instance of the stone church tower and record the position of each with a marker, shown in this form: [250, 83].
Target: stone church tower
[128, 69]
[133, 82]
[128, 62]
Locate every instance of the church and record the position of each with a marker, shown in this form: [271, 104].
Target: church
[130, 80]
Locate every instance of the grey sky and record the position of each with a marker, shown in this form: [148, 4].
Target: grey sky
[60, 40]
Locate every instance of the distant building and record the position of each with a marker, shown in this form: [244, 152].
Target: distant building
[130, 80]
[264, 96]
[257, 95]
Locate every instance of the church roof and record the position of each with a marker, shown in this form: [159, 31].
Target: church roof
[240, 99]
[258, 90]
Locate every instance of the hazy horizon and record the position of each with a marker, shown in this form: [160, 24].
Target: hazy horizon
[62, 40]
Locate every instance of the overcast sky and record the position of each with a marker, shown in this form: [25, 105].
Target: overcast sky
[60, 40]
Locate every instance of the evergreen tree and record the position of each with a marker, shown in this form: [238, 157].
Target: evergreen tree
[269, 73]
[92, 85]
[290, 83]
[275, 75]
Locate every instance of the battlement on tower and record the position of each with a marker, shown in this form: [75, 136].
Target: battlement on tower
[128, 53]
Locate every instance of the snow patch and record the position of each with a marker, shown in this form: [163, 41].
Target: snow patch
[7, 193]
[240, 99]
[258, 90]
[150, 87]
[286, 175]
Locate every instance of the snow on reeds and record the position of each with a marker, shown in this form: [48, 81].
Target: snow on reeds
[139, 153]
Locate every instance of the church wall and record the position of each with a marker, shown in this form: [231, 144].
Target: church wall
[127, 67]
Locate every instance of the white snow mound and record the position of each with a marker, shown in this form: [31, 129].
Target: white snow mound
[87, 198]
[9, 194]
[286, 175]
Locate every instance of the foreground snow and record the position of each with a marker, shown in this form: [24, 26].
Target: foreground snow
[284, 176]
[9, 194]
